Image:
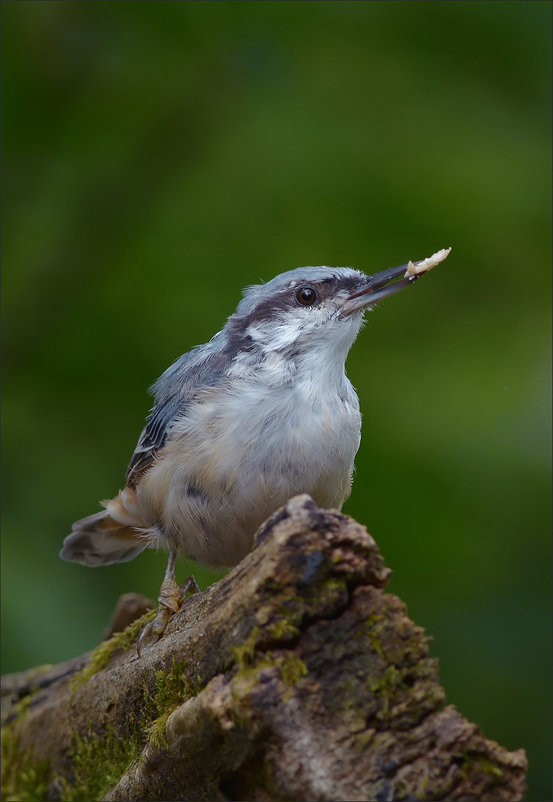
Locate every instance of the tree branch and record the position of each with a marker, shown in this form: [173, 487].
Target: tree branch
[294, 677]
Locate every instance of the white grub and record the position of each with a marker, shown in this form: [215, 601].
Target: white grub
[416, 268]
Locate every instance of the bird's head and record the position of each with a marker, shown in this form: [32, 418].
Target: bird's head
[316, 307]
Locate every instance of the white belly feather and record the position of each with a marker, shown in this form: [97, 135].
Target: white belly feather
[237, 455]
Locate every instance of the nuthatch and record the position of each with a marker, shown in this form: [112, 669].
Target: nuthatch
[261, 412]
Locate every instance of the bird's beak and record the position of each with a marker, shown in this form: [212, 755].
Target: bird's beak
[390, 281]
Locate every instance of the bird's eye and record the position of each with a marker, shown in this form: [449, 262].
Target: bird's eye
[306, 296]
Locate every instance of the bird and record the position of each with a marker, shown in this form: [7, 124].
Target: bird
[261, 412]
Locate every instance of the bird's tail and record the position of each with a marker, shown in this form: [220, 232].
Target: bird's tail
[110, 536]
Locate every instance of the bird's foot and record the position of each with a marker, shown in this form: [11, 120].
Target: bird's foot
[170, 599]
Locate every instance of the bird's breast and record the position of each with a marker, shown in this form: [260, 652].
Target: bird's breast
[239, 454]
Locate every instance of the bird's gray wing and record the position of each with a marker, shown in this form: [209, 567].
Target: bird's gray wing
[203, 366]
[151, 440]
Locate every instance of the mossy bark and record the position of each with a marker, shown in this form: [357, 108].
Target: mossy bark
[294, 677]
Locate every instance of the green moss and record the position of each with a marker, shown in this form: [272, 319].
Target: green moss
[292, 610]
[475, 760]
[172, 689]
[490, 768]
[372, 623]
[363, 739]
[281, 630]
[386, 683]
[316, 601]
[101, 656]
[23, 779]
[98, 763]
[250, 663]
[244, 654]
[330, 589]
[292, 669]
[385, 686]
[21, 708]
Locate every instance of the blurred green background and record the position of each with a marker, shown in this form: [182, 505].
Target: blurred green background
[157, 157]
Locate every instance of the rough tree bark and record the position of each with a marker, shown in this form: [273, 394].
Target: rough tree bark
[294, 677]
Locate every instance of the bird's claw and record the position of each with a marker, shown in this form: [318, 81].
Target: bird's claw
[170, 599]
